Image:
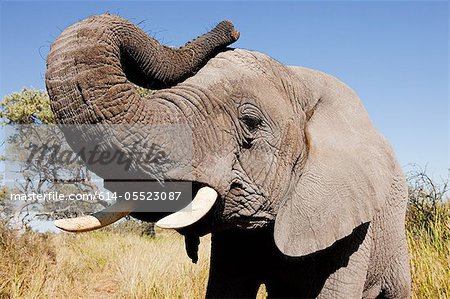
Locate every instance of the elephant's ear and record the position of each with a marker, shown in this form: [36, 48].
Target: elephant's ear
[346, 176]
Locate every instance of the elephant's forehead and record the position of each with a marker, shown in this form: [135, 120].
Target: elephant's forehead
[234, 65]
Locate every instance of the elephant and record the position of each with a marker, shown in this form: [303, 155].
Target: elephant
[298, 189]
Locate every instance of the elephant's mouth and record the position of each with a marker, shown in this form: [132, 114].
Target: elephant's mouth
[204, 198]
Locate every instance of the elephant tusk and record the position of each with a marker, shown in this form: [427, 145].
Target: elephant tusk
[97, 220]
[200, 205]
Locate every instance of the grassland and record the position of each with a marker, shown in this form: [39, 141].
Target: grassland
[429, 250]
[120, 264]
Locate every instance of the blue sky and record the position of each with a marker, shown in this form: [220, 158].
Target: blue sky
[395, 55]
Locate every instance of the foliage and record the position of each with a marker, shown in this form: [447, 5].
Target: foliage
[131, 225]
[5, 207]
[144, 92]
[27, 119]
[28, 106]
[37, 172]
[428, 234]
[31, 107]
[426, 208]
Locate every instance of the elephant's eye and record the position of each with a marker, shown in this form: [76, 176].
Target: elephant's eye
[252, 122]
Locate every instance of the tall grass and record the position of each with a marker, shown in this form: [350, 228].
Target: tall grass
[429, 249]
[428, 232]
[21, 257]
[100, 265]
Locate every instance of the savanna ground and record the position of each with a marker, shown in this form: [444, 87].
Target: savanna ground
[119, 262]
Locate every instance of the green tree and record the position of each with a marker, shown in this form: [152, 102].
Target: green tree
[23, 110]
[28, 106]
[22, 115]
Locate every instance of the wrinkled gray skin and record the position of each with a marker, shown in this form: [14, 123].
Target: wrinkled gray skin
[311, 198]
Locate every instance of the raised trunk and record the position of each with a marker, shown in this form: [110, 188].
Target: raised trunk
[90, 71]
[92, 64]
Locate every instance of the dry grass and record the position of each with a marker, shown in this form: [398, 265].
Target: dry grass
[430, 268]
[23, 263]
[108, 264]
[101, 265]
[429, 248]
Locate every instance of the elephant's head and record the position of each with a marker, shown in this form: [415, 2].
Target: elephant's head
[277, 145]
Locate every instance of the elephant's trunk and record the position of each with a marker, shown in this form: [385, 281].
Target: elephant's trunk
[91, 65]
[90, 71]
